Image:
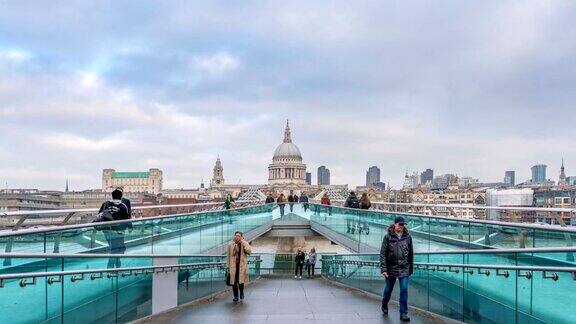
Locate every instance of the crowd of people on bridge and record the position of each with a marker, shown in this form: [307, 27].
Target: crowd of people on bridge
[396, 253]
[292, 199]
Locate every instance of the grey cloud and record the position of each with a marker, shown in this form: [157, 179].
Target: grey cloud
[472, 88]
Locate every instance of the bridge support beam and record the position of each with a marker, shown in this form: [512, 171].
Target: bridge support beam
[164, 287]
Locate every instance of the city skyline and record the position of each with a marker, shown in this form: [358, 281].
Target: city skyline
[161, 86]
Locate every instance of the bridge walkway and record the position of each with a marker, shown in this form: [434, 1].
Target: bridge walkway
[287, 300]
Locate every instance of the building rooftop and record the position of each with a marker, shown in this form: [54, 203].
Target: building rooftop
[125, 175]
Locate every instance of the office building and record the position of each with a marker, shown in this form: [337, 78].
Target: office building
[510, 178]
[427, 177]
[539, 173]
[372, 176]
[323, 176]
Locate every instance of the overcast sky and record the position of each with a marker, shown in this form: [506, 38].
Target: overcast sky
[469, 87]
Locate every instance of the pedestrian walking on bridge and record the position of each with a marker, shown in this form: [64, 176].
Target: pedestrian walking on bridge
[397, 262]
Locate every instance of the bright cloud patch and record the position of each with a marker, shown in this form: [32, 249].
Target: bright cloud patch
[216, 64]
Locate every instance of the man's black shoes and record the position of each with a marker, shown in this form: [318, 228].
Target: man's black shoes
[404, 318]
[384, 310]
[242, 295]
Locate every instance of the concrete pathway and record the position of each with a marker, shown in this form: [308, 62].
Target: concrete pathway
[287, 300]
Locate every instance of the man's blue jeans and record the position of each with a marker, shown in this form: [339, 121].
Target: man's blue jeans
[390, 281]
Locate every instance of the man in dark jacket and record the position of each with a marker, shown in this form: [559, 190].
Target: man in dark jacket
[291, 202]
[304, 201]
[114, 210]
[351, 202]
[126, 202]
[397, 261]
[270, 199]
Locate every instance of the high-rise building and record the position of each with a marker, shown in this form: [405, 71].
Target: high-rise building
[510, 178]
[309, 178]
[539, 173]
[562, 178]
[149, 181]
[372, 176]
[323, 176]
[427, 177]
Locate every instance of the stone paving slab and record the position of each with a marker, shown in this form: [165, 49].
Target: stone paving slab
[288, 300]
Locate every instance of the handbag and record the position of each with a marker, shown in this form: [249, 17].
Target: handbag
[227, 277]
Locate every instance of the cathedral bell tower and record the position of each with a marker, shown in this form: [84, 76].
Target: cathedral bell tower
[218, 177]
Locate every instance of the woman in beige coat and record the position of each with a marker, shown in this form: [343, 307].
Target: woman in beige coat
[238, 252]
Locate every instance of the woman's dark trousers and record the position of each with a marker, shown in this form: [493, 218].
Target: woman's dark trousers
[311, 270]
[299, 267]
[238, 286]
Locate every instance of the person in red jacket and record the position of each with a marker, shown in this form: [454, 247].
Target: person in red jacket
[326, 201]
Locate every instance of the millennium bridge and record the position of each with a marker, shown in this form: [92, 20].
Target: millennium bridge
[473, 271]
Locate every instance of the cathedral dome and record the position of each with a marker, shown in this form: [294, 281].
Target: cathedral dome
[287, 167]
[287, 150]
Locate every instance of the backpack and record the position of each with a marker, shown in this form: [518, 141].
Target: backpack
[354, 203]
[108, 214]
[104, 216]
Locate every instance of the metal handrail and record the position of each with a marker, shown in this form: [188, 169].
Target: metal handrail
[479, 251]
[75, 226]
[552, 209]
[149, 255]
[463, 220]
[111, 272]
[91, 210]
[457, 265]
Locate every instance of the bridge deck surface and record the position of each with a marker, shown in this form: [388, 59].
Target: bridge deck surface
[287, 300]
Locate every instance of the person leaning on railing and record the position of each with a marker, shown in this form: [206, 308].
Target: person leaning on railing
[114, 210]
[326, 201]
[364, 204]
[397, 261]
[229, 203]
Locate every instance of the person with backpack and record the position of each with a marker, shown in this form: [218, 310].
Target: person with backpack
[114, 210]
[351, 202]
[126, 201]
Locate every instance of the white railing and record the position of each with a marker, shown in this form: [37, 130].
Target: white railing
[15, 220]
